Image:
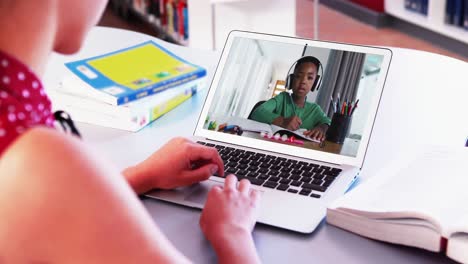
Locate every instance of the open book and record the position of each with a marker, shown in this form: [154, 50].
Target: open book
[420, 201]
[255, 126]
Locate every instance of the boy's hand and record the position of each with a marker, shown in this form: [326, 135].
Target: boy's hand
[318, 132]
[291, 123]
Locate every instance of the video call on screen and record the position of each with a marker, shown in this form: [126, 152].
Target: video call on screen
[252, 91]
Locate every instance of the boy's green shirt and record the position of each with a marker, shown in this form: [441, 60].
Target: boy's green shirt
[282, 105]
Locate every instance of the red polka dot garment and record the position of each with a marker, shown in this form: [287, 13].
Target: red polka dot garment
[23, 102]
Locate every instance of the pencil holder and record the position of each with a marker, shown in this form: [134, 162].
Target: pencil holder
[339, 128]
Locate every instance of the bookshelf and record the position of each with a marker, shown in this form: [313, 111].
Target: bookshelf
[209, 22]
[280, 87]
[168, 18]
[435, 19]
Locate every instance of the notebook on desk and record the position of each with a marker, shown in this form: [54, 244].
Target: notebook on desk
[297, 181]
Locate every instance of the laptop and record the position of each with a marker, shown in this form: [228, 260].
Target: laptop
[297, 177]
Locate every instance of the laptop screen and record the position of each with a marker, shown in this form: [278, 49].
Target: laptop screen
[300, 95]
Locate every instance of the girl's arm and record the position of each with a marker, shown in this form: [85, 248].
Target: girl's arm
[59, 202]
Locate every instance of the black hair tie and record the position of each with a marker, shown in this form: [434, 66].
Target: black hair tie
[66, 122]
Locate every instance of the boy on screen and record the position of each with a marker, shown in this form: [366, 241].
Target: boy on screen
[292, 111]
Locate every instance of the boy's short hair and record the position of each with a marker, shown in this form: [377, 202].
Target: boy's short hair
[309, 59]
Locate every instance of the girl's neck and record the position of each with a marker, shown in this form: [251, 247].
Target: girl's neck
[28, 31]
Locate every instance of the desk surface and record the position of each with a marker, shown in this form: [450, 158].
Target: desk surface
[252, 128]
[349, 148]
[424, 101]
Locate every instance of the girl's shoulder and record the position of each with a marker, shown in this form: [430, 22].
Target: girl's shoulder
[23, 102]
[41, 148]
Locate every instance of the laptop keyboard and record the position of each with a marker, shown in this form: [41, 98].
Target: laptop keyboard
[297, 177]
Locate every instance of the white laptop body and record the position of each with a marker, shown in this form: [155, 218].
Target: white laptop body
[251, 66]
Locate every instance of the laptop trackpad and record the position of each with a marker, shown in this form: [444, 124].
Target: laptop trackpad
[200, 192]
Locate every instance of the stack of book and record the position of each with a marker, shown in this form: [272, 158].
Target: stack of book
[127, 89]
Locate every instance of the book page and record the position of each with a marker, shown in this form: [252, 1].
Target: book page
[459, 225]
[246, 124]
[297, 133]
[71, 84]
[456, 248]
[458, 237]
[430, 184]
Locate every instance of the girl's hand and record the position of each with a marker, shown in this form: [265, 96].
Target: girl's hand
[228, 218]
[180, 162]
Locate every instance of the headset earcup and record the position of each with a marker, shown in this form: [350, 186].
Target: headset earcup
[289, 80]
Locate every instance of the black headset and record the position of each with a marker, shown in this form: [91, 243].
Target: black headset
[311, 59]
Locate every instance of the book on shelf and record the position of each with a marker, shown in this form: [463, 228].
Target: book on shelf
[465, 15]
[407, 4]
[132, 116]
[424, 7]
[417, 200]
[458, 12]
[132, 73]
[418, 6]
[170, 16]
[449, 9]
[258, 127]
